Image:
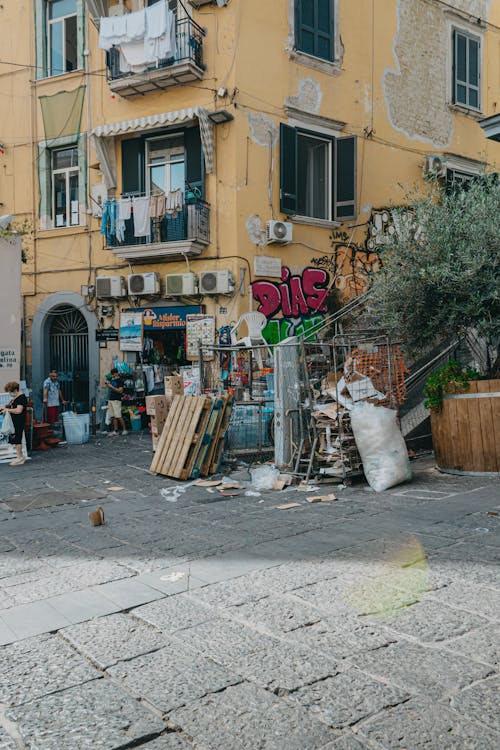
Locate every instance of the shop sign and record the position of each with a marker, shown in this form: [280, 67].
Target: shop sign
[131, 331]
[200, 331]
[107, 334]
[167, 318]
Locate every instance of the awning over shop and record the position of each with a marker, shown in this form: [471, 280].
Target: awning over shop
[102, 135]
[491, 127]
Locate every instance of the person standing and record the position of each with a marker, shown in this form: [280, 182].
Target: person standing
[115, 391]
[17, 410]
[52, 396]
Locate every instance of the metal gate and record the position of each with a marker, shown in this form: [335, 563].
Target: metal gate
[69, 355]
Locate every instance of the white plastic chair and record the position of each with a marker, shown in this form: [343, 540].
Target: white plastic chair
[255, 322]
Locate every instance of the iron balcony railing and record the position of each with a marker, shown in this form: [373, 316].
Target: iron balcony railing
[192, 222]
[189, 36]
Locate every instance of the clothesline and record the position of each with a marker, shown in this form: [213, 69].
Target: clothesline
[141, 208]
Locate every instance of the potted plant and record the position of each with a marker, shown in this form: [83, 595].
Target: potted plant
[440, 278]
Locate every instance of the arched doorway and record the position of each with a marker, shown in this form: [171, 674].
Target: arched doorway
[69, 354]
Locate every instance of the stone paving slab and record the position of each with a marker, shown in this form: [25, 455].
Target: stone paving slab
[278, 615]
[431, 621]
[78, 606]
[6, 742]
[348, 697]
[343, 637]
[245, 716]
[172, 677]
[35, 667]
[108, 640]
[224, 641]
[480, 600]
[419, 669]
[481, 645]
[480, 703]
[93, 716]
[284, 667]
[175, 613]
[420, 724]
[49, 499]
[33, 619]
[170, 741]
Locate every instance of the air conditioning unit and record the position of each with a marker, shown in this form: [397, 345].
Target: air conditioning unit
[110, 286]
[143, 284]
[199, 3]
[180, 284]
[279, 231]
[434, 166]
[216, 282]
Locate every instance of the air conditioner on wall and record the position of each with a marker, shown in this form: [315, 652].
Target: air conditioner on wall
[434, 166]
[110, 286]
[279, 231]
[143, 284]
[180, 284]
[216, 282]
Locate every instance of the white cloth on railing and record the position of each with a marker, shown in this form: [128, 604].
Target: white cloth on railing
[174, 203]
[143, 38]
[112, 31]
[124, 208]
[142, 216]
[159, 42]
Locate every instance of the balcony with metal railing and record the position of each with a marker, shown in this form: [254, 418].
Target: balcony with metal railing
[186, 66]
[184, 233]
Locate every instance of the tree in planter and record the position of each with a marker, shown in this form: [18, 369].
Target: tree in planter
[441, 269]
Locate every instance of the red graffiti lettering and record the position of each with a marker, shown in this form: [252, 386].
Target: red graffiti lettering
[315, 285]
[268, 295]
[295, 296]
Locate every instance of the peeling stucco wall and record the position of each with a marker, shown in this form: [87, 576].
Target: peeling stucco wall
[309, 97]
[263, 130]
[255, 230]
[417, 89]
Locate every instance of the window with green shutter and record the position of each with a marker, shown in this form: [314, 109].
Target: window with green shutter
[466, 69]
[314, 28]
[317, 175]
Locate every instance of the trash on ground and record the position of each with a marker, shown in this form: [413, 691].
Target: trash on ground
[305, 487]
[172, 494]
[264, 477]
[492, 513]
[287, 506]
[381, 445]
[117, 488]
[321, 498]
[252, 493]
[172, 577]
[97, 516]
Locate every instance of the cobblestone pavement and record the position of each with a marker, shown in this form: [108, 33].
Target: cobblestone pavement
[193, 620]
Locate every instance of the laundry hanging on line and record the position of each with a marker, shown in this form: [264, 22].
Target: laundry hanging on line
[143, 38]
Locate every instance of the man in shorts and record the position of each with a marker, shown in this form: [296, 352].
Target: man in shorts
[52, 396]
[115, 391]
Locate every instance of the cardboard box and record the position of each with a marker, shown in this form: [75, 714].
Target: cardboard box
[174, 386]
[157, 423]
[157, 405]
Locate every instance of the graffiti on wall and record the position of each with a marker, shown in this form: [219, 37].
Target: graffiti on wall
[351, 263]
[297, 303]
[299, 299]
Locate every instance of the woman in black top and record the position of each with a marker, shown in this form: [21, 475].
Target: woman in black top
[17, 410]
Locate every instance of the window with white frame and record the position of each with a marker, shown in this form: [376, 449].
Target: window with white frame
[62, 36]
[65, 202]
[317, 175]
[466, 79]
[166, 165]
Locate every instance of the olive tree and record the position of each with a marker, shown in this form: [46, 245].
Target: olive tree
[441, 268]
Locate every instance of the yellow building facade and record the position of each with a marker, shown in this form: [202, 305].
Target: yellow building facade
[274, 138]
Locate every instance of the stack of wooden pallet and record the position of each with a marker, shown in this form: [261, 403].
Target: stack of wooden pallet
[192, 439]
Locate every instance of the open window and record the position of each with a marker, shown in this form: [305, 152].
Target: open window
[317, 175]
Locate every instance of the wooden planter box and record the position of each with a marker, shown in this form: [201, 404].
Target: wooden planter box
[466, 432]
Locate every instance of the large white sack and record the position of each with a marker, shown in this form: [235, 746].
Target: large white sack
[380, 445]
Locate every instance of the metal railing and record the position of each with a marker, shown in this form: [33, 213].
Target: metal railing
[192, 222]
[189, 36]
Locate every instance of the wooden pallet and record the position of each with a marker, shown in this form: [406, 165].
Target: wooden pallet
[217, 446]
[206, 440]
[182, 433]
